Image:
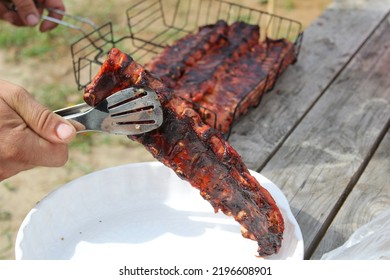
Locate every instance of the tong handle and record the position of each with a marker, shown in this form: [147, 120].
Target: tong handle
[76, 115]
[83, 117]
[68, 112]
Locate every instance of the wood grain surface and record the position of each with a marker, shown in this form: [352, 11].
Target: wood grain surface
[318, 164]
[315, 133]
[369, 198]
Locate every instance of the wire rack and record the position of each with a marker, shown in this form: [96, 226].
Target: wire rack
[155, 24]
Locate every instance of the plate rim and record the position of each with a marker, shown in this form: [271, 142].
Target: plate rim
[20, 234]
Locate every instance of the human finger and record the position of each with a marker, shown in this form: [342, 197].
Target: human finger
[27, 12]
[22, 154]
[53, 6]
[10, 15]
[9, 169]
[35, 151]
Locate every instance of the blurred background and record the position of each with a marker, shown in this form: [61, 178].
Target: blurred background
[42, 64]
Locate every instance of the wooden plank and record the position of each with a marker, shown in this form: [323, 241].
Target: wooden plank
[323, 156]
[327, 47]
[370, 197]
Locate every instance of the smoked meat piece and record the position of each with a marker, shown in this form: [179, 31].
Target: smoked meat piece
[197, 153]
[223, 69]
[171, 64]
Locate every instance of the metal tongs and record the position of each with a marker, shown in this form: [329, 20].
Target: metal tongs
[130, 111]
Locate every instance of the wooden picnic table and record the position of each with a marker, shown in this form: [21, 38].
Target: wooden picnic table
[322, 134]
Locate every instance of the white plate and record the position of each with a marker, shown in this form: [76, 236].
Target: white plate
[145, 212]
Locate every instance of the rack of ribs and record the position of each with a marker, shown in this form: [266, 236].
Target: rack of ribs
[171, 64]
[231, 71]
[196, 152]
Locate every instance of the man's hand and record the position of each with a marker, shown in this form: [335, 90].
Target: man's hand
[28, 13]
[30, 134]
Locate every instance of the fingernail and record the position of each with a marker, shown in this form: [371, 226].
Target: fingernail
[32, 19]
[64, 131]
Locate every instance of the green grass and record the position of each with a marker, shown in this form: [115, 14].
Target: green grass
[58, 95]
[5, 216]
[6, 243]
[289, 4]
[9, 186]
[83, 142]
[16, 38]
[25, 43]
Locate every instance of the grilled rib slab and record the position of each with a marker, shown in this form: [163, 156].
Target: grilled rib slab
[197, 153]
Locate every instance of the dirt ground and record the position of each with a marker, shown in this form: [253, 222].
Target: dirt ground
[20, 193]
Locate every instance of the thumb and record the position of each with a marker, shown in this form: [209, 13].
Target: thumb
[37, 117]
[48, 124]
[27, 11]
